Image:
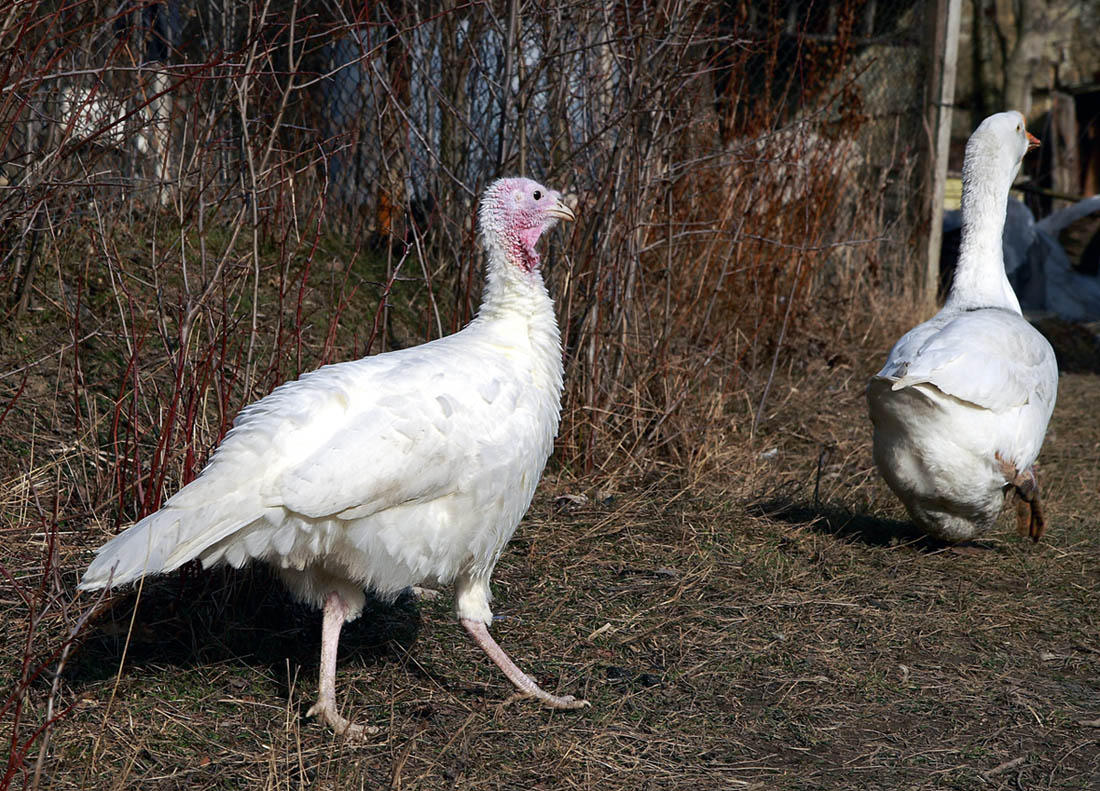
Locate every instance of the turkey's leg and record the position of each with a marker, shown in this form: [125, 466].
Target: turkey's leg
[524, 683]
[336, 610]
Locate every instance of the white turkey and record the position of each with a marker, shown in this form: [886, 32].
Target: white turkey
[381, 473]
[961, 407]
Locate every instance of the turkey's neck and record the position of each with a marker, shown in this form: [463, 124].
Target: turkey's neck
[512, 289]
[516, 298]
[980, 280]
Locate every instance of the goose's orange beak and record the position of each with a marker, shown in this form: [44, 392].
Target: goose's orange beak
[1032, 141]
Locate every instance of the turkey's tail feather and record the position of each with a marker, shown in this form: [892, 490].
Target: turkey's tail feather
[164, 541]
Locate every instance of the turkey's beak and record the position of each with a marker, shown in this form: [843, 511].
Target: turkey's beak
[561, 211]
[1032, 141]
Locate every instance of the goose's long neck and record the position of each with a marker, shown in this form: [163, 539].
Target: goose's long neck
[980, 280]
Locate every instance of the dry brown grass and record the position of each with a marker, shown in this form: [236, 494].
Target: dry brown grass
[738, 596]
[761, 618]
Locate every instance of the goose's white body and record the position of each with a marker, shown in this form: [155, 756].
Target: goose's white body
[385, 472]
[957, 395]
[965, 397]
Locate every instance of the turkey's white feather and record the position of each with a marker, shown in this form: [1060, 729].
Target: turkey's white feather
[408, 467]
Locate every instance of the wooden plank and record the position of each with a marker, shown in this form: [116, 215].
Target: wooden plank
[1065, 164]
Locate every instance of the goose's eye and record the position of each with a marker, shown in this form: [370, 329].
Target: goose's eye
[537, 194]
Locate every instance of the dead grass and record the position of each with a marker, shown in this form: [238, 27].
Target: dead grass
[762, 619]
[737, 596]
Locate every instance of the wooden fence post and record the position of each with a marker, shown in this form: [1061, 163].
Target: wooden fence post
[945, 41]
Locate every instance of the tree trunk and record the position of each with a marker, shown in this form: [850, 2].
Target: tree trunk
[1023, 59]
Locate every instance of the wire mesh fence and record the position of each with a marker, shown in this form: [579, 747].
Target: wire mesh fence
[236, 176]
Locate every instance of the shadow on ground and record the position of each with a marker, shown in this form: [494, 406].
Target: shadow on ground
[198, 618]
[840, 521]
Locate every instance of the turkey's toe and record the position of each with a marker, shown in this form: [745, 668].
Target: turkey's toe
[326, 712]
[548, 700]
[567, 702]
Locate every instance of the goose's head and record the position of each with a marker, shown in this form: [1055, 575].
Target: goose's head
[514, 213]
[997, 147]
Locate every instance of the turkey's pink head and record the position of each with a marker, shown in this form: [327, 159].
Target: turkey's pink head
[514, 214]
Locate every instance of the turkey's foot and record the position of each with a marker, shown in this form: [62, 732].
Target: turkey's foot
[526, 685]
[335, 613]
[327, 713]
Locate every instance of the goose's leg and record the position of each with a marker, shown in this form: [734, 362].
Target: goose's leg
[1038, 524]
[335, 612]
[524, 683]
[1025, 486]
[1029, 510]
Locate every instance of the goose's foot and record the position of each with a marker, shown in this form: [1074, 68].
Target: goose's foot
[1029, 510]
[335, 612]
[526, 685]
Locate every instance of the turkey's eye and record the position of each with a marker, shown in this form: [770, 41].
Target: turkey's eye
[538, 195]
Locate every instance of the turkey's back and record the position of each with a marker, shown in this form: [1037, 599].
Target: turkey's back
[381, 473]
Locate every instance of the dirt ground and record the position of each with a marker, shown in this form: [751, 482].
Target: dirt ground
[772, 623]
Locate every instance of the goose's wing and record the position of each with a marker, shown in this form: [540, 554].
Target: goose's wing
[991, 358]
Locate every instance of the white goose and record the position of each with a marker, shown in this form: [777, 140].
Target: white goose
[961, 406]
